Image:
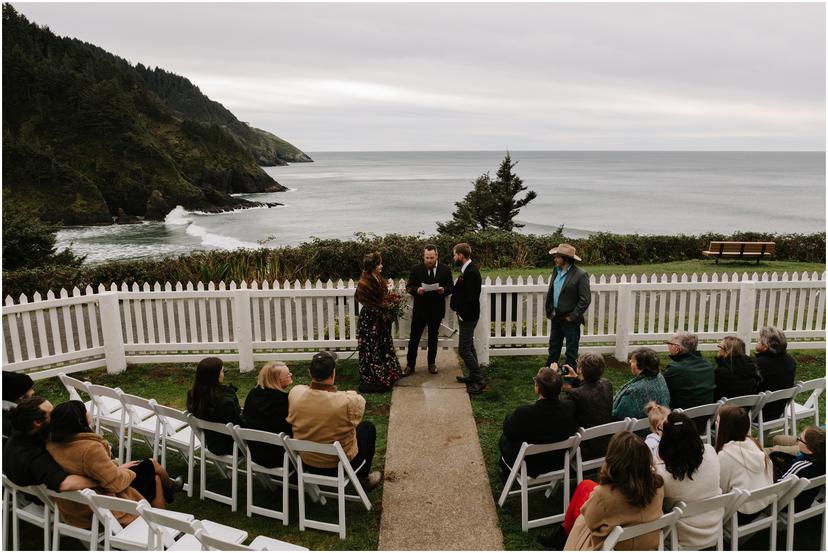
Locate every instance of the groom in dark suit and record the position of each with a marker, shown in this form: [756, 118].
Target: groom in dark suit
[465, 301]
[429, 306]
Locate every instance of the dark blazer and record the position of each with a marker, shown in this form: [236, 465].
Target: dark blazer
[593, 407]
[778, 371]
[266, 409]
[27, 462]
[465, 299]
[226, 410]
[575, 296]
[735, 377]
[691, 380]
[544, 422]
[431, 304]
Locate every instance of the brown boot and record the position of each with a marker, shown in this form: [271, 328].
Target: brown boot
[408, 371]
[432, 368]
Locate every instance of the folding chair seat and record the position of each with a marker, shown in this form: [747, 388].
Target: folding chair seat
[726, 504]
[142, 422]
[752, 403]
[164, 524]
[708, 413]
[224, 463]
[766, 520]
[345, 475]
[548, 481]
[18, 507]
[91, 538]
[588, 435]
[261, 543]
[136, 535]
[817, 508]
[179, 437]
[782, 422]
[278, 475]
[811, 406]
[665, 525]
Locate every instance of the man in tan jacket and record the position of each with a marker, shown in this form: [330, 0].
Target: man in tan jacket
[320, 413]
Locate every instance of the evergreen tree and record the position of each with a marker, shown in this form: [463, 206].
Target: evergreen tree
[506, 189]
[474, 211]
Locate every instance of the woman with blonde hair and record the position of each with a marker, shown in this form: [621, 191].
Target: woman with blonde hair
[657, 414]
[266, 408]
[736, 373]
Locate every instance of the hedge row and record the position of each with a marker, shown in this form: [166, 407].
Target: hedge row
[335, 259]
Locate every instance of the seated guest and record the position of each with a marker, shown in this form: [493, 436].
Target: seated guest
[742, 461]
[79, 450]
[320, 413]
[691, 472]
[689, 376]
[546, 421]
[16, 388]
[266, 408]
[592, 396]
[629, 492]
[810, 463]
[25, 459]
[736, 373]
[647, 385]
[656, 414]
[776, 367]
[211, 400]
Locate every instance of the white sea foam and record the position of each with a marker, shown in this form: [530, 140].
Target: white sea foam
[180, 216]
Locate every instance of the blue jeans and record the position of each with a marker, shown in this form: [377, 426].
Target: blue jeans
[559, 330]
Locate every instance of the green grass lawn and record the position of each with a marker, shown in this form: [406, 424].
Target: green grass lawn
[509, 384]
[678, 267]
[168, 385]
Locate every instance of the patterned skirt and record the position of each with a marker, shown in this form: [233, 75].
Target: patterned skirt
[378, 363]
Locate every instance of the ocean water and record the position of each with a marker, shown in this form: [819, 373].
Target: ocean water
[343, 193]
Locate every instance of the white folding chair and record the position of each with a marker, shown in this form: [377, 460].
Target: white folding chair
[7, 516]
[278, 475]
[789, 516]
[664, 525]
[709, 412]
[91, 537]
[261, 543]
[141, 421]
[164, 524]
[638, 425]
[224, 463]
[114, 421]
[752, 403]
[767, 518]
[549, 480]
[782, 422]
[345, 475]
[726, 504]
[134, 536]
[75, 387]
[586, 435]
[18, 508]
[179, 437]
[811, 406]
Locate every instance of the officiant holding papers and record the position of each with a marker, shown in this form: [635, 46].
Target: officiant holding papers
[429, 283]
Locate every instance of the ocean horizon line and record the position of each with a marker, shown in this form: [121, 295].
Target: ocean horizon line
[565, 151]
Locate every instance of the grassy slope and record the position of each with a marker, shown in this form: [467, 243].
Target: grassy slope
[510, 385]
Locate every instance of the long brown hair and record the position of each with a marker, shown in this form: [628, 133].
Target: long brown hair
[628, 467]
[734, 426]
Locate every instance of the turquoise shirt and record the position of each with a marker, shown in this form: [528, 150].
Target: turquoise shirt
[557, 283]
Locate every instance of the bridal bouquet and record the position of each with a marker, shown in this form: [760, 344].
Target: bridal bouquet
[397, 306]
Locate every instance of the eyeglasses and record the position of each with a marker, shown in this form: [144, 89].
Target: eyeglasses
[800, 440]
[672, 344]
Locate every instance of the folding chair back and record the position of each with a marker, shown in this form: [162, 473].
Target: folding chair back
[810, 408]
[74, 387]
[751, 403]
[663, 525]
[223, 463]
[261, 543]
[136, 535]
[60, 528]
[345, 475]
[725, 503]
[279, 474]
[586, 435]
[142, 421]
[210, 543]
[709, 412]
[15, 510]
[165, 525]
[787, 395]
[638, 425]
[789, 516]
[768, 516]
[108, 418]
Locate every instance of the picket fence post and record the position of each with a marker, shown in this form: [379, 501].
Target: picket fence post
[747, 312]
[113, 336]
[624, 320]
[243, 328]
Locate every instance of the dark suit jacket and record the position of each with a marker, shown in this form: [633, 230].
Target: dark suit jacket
[778, 373]
[266, 409]
[431, 304]
[544, 422]
[465, 299]
[575, 295]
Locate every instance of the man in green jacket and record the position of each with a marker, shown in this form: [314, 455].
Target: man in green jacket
[690, 378]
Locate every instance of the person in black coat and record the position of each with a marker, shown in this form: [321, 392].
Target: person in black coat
[776, 367]
[266, 408]
[546, 421]
[211, 400]
[736, 373]
[567, 300]
[465, 301]
[592, 397]
[429, 306]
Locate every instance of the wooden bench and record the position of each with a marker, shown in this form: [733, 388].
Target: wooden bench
[740, 250]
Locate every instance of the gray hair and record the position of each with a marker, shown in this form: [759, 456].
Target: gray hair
[774, 339]
[687, 340]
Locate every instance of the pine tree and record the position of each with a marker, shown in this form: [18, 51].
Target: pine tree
[506, 189]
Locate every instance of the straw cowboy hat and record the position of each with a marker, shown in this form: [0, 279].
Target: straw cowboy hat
[565, 250]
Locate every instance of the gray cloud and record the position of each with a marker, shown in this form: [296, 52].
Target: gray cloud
[488, 76]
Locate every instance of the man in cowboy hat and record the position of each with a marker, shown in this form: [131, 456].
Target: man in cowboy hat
[566, 302]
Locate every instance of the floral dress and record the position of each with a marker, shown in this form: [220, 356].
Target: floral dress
[378, 363]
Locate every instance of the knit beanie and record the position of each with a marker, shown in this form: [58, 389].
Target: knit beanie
[15, 385]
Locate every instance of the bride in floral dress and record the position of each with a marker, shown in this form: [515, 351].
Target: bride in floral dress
[379, 367]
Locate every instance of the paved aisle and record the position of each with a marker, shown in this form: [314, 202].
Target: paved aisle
[436, 493]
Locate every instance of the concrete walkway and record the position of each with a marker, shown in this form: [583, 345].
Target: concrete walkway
[436, 494]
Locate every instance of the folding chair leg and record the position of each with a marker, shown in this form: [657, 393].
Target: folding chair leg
[15, 525]
[341, 499]
[286, 496]
[249, 489]
[301, 489]
[789, 531]
[524, 504]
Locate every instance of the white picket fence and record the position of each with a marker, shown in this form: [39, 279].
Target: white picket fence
[150, 324]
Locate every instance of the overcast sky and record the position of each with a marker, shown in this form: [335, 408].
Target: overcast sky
[487, 76]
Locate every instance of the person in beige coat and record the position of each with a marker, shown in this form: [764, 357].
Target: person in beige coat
[629, 492]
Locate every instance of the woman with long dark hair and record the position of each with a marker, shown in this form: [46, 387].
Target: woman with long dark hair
[379, 367]
[79, 450]
[691, 472]
[629, 491]
[211, 400]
